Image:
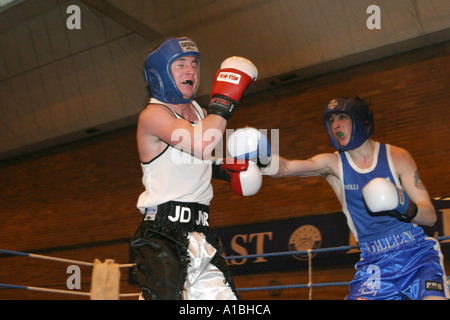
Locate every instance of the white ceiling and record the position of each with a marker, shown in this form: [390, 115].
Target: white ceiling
[58, 85]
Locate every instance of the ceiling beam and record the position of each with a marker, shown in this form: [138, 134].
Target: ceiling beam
[127, 21]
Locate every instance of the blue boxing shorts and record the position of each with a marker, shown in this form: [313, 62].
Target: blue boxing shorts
[400, 266]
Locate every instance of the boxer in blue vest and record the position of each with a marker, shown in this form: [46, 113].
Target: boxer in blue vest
[385, 202]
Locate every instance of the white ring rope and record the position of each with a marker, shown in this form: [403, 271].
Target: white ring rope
[69, 261]
[38, 256]
[309, 285]
[76, 293]
[14, 286]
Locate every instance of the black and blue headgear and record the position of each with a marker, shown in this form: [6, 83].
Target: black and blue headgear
[157, 72]
[362, 117]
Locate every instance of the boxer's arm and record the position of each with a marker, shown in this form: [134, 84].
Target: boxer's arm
[408, 173]
[319, 165]
[157, 122]
[411, 203]
[229, 83]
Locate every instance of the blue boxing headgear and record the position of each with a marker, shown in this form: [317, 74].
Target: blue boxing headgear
[362, 117]
[157, 72]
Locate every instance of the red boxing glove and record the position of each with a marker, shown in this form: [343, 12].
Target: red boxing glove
[235, 75]
[232, 165]
[246, 178]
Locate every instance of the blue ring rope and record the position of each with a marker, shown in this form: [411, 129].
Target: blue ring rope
[278, 287]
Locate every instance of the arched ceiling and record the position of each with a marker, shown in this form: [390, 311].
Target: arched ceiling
[59, 84]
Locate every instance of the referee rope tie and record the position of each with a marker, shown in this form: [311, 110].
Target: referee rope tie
[310, 273]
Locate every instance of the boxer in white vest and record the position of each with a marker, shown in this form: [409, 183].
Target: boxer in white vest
[177, 256]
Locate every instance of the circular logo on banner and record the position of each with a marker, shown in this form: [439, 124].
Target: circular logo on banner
[304, 238]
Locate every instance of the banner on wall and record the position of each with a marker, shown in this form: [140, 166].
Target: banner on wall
[303, 233]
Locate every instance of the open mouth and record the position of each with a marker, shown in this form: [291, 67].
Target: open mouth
[188, 82]
[339, 135]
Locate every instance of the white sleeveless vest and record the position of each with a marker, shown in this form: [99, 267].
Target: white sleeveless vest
[175, 175]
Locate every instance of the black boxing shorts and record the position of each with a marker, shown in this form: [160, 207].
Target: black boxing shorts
[178, 257]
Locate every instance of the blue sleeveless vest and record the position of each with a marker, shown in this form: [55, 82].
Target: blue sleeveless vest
[368, 226]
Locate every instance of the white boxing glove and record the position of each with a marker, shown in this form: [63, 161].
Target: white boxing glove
[381, 195]
[242, 64]
[247, 182]
[244, 176]
[249, 143]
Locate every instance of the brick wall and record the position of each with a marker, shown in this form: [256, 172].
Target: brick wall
[78, 200]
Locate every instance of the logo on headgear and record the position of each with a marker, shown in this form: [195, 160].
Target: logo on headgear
[188, 46]
[332, 104]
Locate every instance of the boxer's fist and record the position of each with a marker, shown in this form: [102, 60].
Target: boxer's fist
[233, 77]
[249, 143]
[381, 195]
[244, 176]
[246, 182]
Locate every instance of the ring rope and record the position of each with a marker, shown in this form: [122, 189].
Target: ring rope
[309, 285]
[286, 253]
[76, 293]
[296, 286]
[38, 256]
[129, 265]
[14, 286]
